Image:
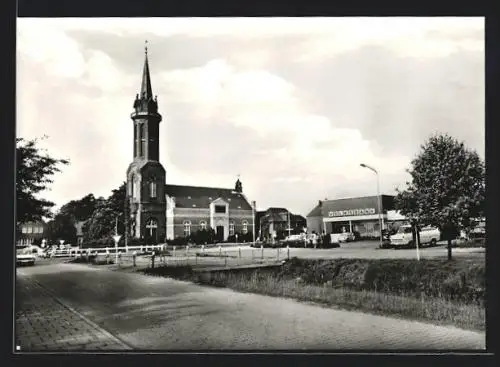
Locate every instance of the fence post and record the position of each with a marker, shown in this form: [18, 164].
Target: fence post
[239, 255]
[187, 250]
[202, 248]
[262, 252]
[133, 258]
[173, 252]
[278, 254]
[119, 259]
[225, 259]
[107, 256]
[153, 260]
[288, 252]
[220, 251]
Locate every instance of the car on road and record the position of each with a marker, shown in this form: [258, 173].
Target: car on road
[404, 237]
[25, 256]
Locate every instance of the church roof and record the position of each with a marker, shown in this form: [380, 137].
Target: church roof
[201, 197]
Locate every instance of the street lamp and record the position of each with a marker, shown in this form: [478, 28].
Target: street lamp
[253, 223]
[380, 219]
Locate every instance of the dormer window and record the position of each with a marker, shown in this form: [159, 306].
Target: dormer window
[221, 209]
[189, 197]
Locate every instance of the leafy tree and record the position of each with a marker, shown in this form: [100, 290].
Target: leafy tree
[61, 228]
[80, 210]
[107, 213]
[447, 188]
[34, 175]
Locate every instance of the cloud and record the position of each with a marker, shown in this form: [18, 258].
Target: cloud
[292, 104]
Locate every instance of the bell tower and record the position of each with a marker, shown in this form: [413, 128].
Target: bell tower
[146, 175]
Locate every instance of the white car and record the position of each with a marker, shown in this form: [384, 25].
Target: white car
[25, 256]
[404, 238]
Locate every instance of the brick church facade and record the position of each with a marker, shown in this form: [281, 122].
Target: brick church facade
[160, 211]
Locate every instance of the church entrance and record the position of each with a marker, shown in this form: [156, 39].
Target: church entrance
[219, 231]
[152, 229]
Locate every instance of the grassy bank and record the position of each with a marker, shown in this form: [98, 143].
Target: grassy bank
[441, 292]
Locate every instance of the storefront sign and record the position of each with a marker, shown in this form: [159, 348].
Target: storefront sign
[352, 212]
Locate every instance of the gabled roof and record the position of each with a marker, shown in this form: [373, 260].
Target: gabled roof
[316, 212]
[201, 197]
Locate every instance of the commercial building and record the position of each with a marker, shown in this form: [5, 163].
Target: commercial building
[359, 215]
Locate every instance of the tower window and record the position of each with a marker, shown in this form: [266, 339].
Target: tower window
[187, 228]
[133, 188]
[152, 189]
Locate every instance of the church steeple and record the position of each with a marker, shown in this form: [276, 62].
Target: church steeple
[146, 90]
[144, 101]
[146, 119]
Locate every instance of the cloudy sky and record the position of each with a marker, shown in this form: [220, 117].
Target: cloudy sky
[293, 105]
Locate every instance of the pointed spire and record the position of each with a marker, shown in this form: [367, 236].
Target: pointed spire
[146, 90]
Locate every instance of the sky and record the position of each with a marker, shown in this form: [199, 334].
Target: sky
[292, 105]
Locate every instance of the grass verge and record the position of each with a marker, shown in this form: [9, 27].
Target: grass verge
[435, 291]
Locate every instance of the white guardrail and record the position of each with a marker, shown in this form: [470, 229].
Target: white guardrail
[186, 254]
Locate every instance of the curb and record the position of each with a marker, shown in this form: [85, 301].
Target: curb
[89, 322]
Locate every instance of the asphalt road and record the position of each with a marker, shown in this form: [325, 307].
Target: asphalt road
[163, 314]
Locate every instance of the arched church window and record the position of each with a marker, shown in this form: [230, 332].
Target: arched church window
[187, 228]
[244, 224]
[203, 224]
[152, 189]
[231, 228]
[151, 228]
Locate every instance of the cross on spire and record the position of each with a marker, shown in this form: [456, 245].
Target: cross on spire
[146, 90]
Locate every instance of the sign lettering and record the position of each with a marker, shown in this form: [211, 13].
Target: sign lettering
[351, 212]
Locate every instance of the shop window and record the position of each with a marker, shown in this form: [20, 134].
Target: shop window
[24, 229]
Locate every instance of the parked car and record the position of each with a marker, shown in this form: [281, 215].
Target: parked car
[25, 256]
[404, 236]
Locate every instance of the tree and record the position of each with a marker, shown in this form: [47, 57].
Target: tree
[447, 188]
[61, 228]
[108, 215]
[34, 175]
[80, 210]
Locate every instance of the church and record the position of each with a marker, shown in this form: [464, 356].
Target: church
[162, 211]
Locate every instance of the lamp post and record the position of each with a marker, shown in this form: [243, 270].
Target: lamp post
[116, 238]
[253, 223]
[380, 218]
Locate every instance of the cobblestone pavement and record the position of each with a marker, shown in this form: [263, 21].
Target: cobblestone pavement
[44, 324]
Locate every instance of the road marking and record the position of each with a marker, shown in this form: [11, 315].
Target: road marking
[89, 322]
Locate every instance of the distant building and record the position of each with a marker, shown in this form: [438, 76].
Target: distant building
[353, 215]
[31, 232]
[278, 221]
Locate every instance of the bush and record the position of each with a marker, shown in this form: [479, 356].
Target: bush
[242, 237]
[178, 241]
[459, 280]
